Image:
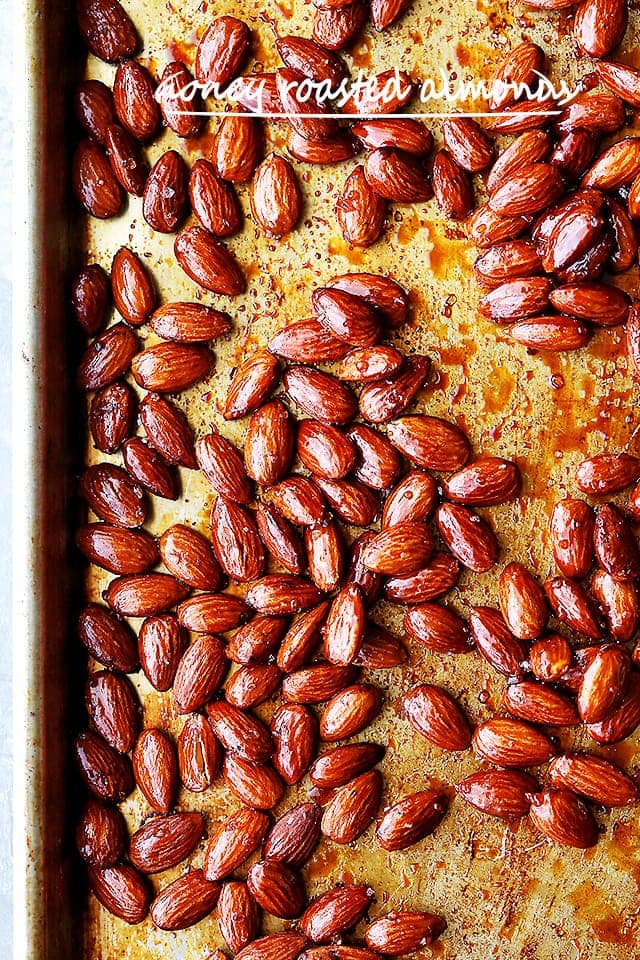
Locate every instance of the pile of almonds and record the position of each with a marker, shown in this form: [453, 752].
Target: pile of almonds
[278, 605]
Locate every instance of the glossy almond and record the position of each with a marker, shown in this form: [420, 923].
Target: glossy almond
[101, 834]
[411, 819]
[403, 932]
[360, 211]
[200, 673]
[164, 841]
[346, 316]
[622, 720]
[178, 105]
[539, 703]
[604, 683]
[404, 134]
[232, 841]
[240, 731]
[351, 500]
[550, 657]
[520, 65]
[255, 784]
[600, 25]
[94, 182]
[269, 443]
[117, 549]
[485, 482]
[208, 262]
[437, 628]
[113, 709]
[325, 554]
[294, 836]
[320, 395]
[199, 754]
[468, 536]
[316, 683]
[276, 888]
[281, 595]
[171, 367]
[276, 200]
[532, 146]
[571, 533]
[184, 902]
[352, 808]
[594, 778]
[189, 322]
[468, 143]
[607, 473]
[155, 768]
[615, 544]
[436, 579]
[126, 159]
[294, 731]
[251, 385]
[131, 287]
[452, 187]
[335, 912]
[572, 605]
[335, 29]
[396, 177]
[306, 114]
[307, 341]
[504, 261]
[164, 202]
[275, 946]
[107, 357]
[350, 711]
[338, 766]
[106, 29]
[238, 148]
[299, 500]
[223, 467]
[302, 638]
[527, 192]
[619, 604]
[385, 92]
[345, 625]
[559, 815]
[280, 539]
[512, 743]
[430, 442]
[499, 793]
[161, 643]
[238, 916]
[122, 891]
[113, 496]
[522, 602]
[504, 651]
[108, 639]
[150, 469]
[399, 550]
[383, 293]
[144, 595]
[325, 450]
[188, 555]
[311, 59]
[437, 716]
[600, 303]
[90, 297]
[221, 50]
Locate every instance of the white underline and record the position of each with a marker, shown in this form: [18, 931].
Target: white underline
[360, 116]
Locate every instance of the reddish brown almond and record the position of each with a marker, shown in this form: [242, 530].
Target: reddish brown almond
[302, 639]
[572, 605]
[595, 111]
[252, 384]
[559, 815]
[340, 147]
[317, 683]
[307, 341]
[550, 657]
[378, 463]
[93, 108]
[325, 450]
[189, 322]
[521, 65]
[106, 773]
[294, 730]
[397, 177]
[113, 496]
[407, 135]
[325, 554]
[213, 200]
[101, 834]
[617, 165]
[240, 731]
[436, 715]
[276, 200]
[505, 652]
[384, 13]
[233, 841]
[238, 148]
[116, 548]
[369, 582]
[335, 912]
[403, 932]
[430, 442]
[621, 79]
[109, 640]
[411, 819]
[223, 467]
[538, 703]
[516, 299]
[484, 483]
[320, 395]
[144, 595]
[533, 188]
[593, 777]
[512, 743]
[238, 916]
[522, 602]
[468, 143]
[352, 808]
[112, 415]
[281, 539]
[277, 889]
[299, 500]
[127, 161]
[122, 891]
[90, 298]
[338, 766]
[134, 100]
[257, 640]
[184, 902]
[468, 536]
[164, 201]
[526, 115]
[199, 754]
[486, 228]
[171, 367]
[294, 836]
[150, 469]
[131, 287]
[346, 316]
[412, 500]
[370, 364]
[350, 711]
[499, 793]
[437, 628]
[600, 25]
[619, 603]
[275, 946]
[200, 674]
[532, 146]
[504, 261]
[615, 544]
[601, 303]
[94, 181]
[269, 443]
[439, 576]
[336, 29]
[383, 293]
[106, 29]
[452, 187]
[221, 51]
[177, 101]
[279, 595]
[107, 358]
[208, 262]
[161, 644]
[254, 784]
[311, 59]
[353, 502]
[189, 557]
[155, 768]
[345, 625]
[622, 721]
[574, 152]
[401, 549]
[168, 430]
[571, 532]
[360, 211]
[607, 473]
[306, 114]
[604, 684]
[113, 709]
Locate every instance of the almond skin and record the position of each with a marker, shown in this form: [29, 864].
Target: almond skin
[430, 442]
[452, 187]
[238, 148]
[550, 657]
[106, 29]
[516, 299]
[108, 639]
[161, 643]
[593, 777]
[615, 545]
[255, 784]
[325, 450]
[294, 731]
[360, 212]
[468, 536]
[396, 177]
[113, 708]
[468, 143]
[221, 51]
[399, 550]
[276, 200]
[411, 819]
[150, 469]
[555, 334]
[619, 604]
[325, 554]
[233, 841]
[485, 482]
[436, 579]
[200, 673]
[534, 187]
[346, 316]
[171, 367]
[199, 754]
[437, 628]
[236, 541]
[345, 625]
[307, 341]
[101, 834]
[412, 500]
[184, 902]
[113, 496]
[240, 731]
[310, 59]
[145, 594]
[519, 65]
[351, 500]
[504, 651]
[256, 641]
[281, 539]
[539, 703]
[383, 293]
[175, 105]
[302, 638]
[338, 766]
[600, 25]
[504, 261]
[294, 836]
[559, 815]
[208, 262]
[107, 358]
[616, 166]
[299, 500]
[269, 443]
[94, 182]
[571, 533]
[289, 83]
[189, 322]
[499, 793]
[238, 916]
[275, 946]
[317, 683]
[572, 605]
[403, 932]
[350, 711]
[320, 395]
[223, 467]
[251, 385]
[336, 150]
[90, 297]
[282, 595]
[164, 841]
[277, 889]
[335, 912]
[122, 891]
[352, 808]
[93, 108]
[131, 287]
[134, 100]
[601, 303]
[369, 364]
[379, 464]
[512, 743]
[532, 146]
[188, 555]
[407, 135]
[622, 721]
[522, 602]
[607, 473]
[165, 198]
[436, 716]
[604, 684]
[155, 768]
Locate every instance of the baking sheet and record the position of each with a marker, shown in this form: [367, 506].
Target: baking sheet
[505, 892]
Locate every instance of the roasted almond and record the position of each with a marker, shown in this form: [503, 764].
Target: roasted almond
[516, 299]
[255, 784]
[320, 395]
[302, 638]
[437, 716]
[306, 113]
[251, 385]
[600, 25]
[113, 708]
[117, 549]
[221, 50]
[539, 703]
[396, 176]
[403, 931]
[269, 443]
[238, 148]
[276, 200]
[619, 603]
[522, 602]
[430, 442]
[199, 754]
[275, 946]
[468, 536]
[108, 639]
[622, 720]
[505, 652]
[106, 773]
[107, 357]
[107, 30]
[384, 92]
[383, 293]
[325, 554]
[184, 902]
[294, 731]
[384, 13]
[256, 641]
[94, 182]
[335, 912]
[93, 108]
[360, 211]
[189, 322]
[299, 500]
[164, 202]
[436, 579]
[352, 808]
[325, 450]
[350, 711]
[179, 103]
[126, 159]
[223, 467]
[559, 815]
[512, 743]
[369, 364]
[338, 766]
[311, 59]
[607, 473]
[468, 143]
[101, 834]
[572, 605]
[208, 262]
[134, 100]
[404, 134]
[346, 316]
[200, 673]
[150, 469]
[412, 500]
[113, 496]
[121, 890]
[500, 793]
[90, 297]
[171, 367]
[615, 544]
[294, 836]
[232, 841]
[452, 187]
[484, 483]
[485, 227]
[240, 731]
[505, 261]
[532, 146]
[161, 644]
[521, 65]
[600, 303]
[279, 595]
[411, 819]
[307, 341]
[144, 595]
[550, 657]
[277, 889]
[317, 683]
[604, 683]
[378, 463]
[353, 502]
[280, 538]
[401, 549]
[534, 187]
[131, 287]
[571, 534]
[337, 28]
[437, 628]
[338, 148]
[155, 768]
[238, 916]
[188, 555]
[593, 777]
[168, 430]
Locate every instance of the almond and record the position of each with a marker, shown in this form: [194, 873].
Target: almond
[604, 684]
[504, 261]
[255, 784]
[320, 395]
[302, 638]
[412, 500]
[500, 793]
[223, 467]
[345, 625]
[108, 639]
[208, 262]
[622, 720]
[352, 808]
[370, 583]
[177, 101]
[317, 683]
[307, 115]
[145, 594]
[411, 819]
[595, 111]
[252, 685]
[199, 754]
[378, 462]
[336, 29]
[401, 549]
[275, 946]
[607, 473]
[430, 442]
[526, 115]
[484, 483]
[238, 148]
[437, 717]
[171, 367]
[238, 916]
[384, 13]
[403, 932]
[397, 177]
[436, 579]
[134, 100]
[232, 841]
[623, 236]
[189, 322]
[281, 539]
[113, 709]
[468, 536]
[360, 211]
[335, 912]
[346, 316]
[522, 602]
[107, 357]
[101, 834]
[384, 92]
[269, 443]
[468, 143]
[571, 533]
[485, 227]
[308, 341]
[340, 147]
[189, 557]
[93, 108]
[276, 200]
[593, 777]
[350, 711]
[164, 202]
[572, 605]
[338, 766]
[106, 773]
[550, 657]
[619, 603]
[252, 384]
[516, 299]
[257, 640]
[222, 50]
[538, 703]
[294, 731]
[370, 364]
[383, 293]
[299, 500]
[161, 644]
[559, 815]
[533, 146]
[127, 161]
[601, 303]
[106, 29]
[325, 450]
[600, 25]
[311, 59]
[113, 496]
[90, 297]
[94, 182]
[521, 65]
[155, 768]
[213, 200]
[184, 902]
[150, 469]
[240, 732]
[404, 134]
[121, 890]
[131, 287]
[512, 743]
[621, 79]
[294, 836]
[325, 554]
[505, 652]
[615, 544]
[200, 673]
[437, 628]
[617, 165]
[534, 187]
[353, 502]
[574, 152]
[277, 889]
[452, 187]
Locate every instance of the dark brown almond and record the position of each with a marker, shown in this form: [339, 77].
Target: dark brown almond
[150, 469]
[401, 549]
[180, 101]
[280, 538]
[622, 721]
[108, 357]
[275, 946]
[504, 261]
[127, 161]
[512, 743]
[311, 59]
[486, 228]
[430, 442]
[161, 644]
[353, 502]
[505, 652]
[404, 134]
[294, 836]
[574, 152]
[240, 731]
[145, 594]
[94, 182]
[184, 902]
[269, 443]
[572, 605]
[619, 603]
[294, 731]
[521, 65]
[90, 297]
[93, 108]
[106, 773]
[604, 683]
[360, 211]
[452, 187]
[299, 500]
[370, 583]
[256, 641]
[437, 717]
[378, 464]
[277, 889]
[121, 890]
[113, 709]
[615, 544]
[112, 495]
[338, 766]
[106, 29]
[189, 556]
[317, 683]
[222, 50]
[411, 819]
[199, 754]
[383, 293]
[200, 673]
[339, 148]
[337, 28]
[500, 793]
[534, 187]
[164, 203]
[189, 322]
[134, 100]
[232, 841]
[600, 25]
[108, 639]
[251, 685]
[252, 384]
[352, 808]
[208, 262]
[437, 628]
[168, 430]
[117, 549]
[595, 778]
[306, 113]
[155, 767]
[101, 834]
[468, 143]
[223, 467]
[412, 500]
[532, 146]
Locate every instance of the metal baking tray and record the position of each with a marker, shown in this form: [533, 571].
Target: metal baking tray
[504, 891]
